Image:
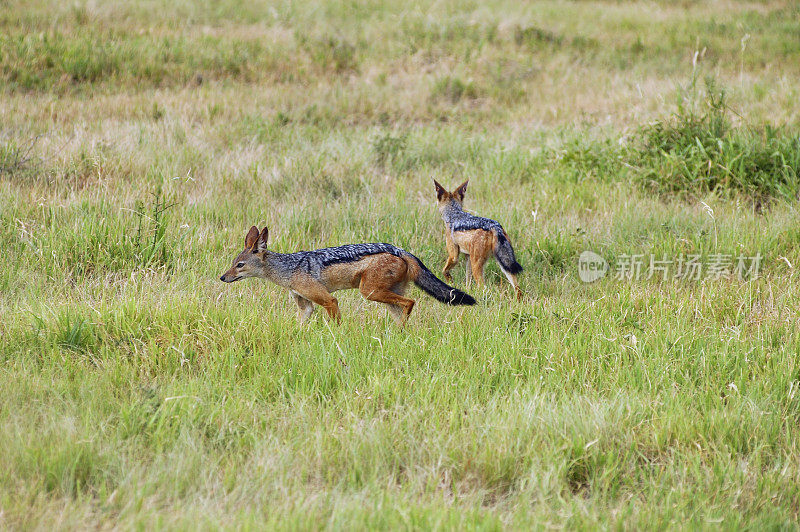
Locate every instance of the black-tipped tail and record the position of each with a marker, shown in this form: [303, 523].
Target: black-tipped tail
[439, 290]
[504, 254]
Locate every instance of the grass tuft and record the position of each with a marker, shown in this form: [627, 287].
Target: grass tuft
[388, 148]
[454, 89]
[18, 159]
[331, 54]
[74, 333]
[151, 246]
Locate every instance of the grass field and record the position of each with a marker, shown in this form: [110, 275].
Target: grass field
[140, 140]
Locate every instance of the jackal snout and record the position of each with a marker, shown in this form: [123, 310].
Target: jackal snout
[228, 277]
[236, 272]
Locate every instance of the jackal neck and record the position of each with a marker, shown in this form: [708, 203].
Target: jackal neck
[274, 267]
[451, 212]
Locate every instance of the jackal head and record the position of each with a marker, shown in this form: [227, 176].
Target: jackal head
[445, 198]
[250, 262]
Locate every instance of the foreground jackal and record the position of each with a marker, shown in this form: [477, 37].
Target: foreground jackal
[477, 237]
[380, 271]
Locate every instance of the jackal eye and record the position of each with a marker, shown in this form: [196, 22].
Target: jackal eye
[240, 264]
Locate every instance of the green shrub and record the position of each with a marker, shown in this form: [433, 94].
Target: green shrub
[597, 159]
[697, 152]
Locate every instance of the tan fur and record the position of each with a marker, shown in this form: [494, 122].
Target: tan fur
[381, 277]
[477, 244]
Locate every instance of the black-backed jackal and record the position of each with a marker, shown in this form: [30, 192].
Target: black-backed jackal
[480, 238]
[381, 272]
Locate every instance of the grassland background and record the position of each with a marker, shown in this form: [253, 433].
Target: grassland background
[139, 141]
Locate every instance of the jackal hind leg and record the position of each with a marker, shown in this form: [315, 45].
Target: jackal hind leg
[477, 263]
[374, 288]
[396, 310]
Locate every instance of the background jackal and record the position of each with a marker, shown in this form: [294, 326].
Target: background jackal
[477, 237]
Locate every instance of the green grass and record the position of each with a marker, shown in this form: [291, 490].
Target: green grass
[140, 140]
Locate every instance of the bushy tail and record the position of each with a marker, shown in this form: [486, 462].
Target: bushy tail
[435, 287]
[504, 253]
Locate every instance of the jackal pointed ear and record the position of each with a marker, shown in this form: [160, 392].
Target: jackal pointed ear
[461, 191]
[261, 243]
[250, 239]
[440, 191]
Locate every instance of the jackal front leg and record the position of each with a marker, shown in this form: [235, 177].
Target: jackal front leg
[452, 255]
[316, 292]
[305, 307]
